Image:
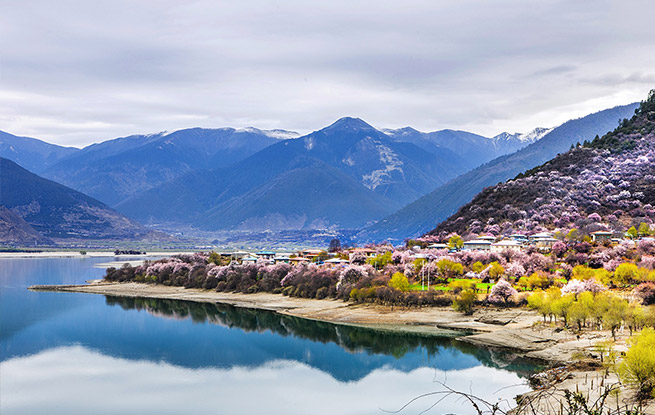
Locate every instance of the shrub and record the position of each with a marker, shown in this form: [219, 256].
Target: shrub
[457, 286]
[646, 293]
[464, 301]
[399, 282]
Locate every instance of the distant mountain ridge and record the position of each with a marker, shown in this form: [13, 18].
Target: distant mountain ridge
[474, 149]
[31, 153]
[425, 213]
[55, 211]
[611, 178]
[114, 170]
[373, 167]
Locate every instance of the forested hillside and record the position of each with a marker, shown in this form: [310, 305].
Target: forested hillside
[610, 180]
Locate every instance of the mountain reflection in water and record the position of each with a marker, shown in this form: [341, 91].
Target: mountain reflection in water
[360, 350]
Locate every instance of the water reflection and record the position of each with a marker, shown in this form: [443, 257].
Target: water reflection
[405, 351]
[75, 380]
[75, 353]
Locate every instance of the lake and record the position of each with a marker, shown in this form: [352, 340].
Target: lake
[71, 353]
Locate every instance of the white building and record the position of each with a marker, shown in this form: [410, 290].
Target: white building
[506, 244]
[477, 245]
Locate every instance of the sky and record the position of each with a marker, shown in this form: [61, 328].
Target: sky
[77, 72]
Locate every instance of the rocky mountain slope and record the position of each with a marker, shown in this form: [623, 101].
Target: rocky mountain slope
[610, 180]
[15, 231]
[422, 215]
[55, 211]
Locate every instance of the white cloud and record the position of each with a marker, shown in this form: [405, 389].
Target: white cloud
[75, 72]
[71, 380]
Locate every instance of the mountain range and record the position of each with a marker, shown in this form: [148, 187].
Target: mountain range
[609, 180]
[357, 165]
[425, 213]
[348, 175]
[31, 153]
[35, 210]
[474, 149]
[114, 170]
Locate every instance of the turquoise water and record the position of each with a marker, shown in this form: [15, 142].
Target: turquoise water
[71, 353]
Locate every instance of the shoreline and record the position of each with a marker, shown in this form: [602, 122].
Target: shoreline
[510, 329]
[76, 254]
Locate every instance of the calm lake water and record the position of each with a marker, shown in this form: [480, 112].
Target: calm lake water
[70, 353]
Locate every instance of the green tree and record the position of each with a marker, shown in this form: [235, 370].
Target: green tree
[449, 269]
[496, 270]
[560, 307]
[455, 242]
[638, 366]
[381, 260]
[632, 232]
[635, 317]
[573, 235]
[581, 309]
[477, 267]
[625, 273]
[538, 280]
[537, 301]
[399, 282]
[644, 229]
[615, 314]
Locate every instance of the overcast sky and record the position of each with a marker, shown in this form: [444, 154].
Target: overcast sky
[77, 72]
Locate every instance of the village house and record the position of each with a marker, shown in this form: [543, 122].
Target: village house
[601, 236]
[299, 260]
[312, 253]
[249, 260]
[438, 246]
[267, 255]
[336, 262]
[520, 238]
[544, 241]
[506, 244]
[477, 245]
[366, 251]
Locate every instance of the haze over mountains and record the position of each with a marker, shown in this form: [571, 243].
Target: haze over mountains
[345, 176]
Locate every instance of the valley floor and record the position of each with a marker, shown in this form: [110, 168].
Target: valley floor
[515, 328]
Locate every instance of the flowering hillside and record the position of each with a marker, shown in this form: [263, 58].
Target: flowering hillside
[609, 181]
